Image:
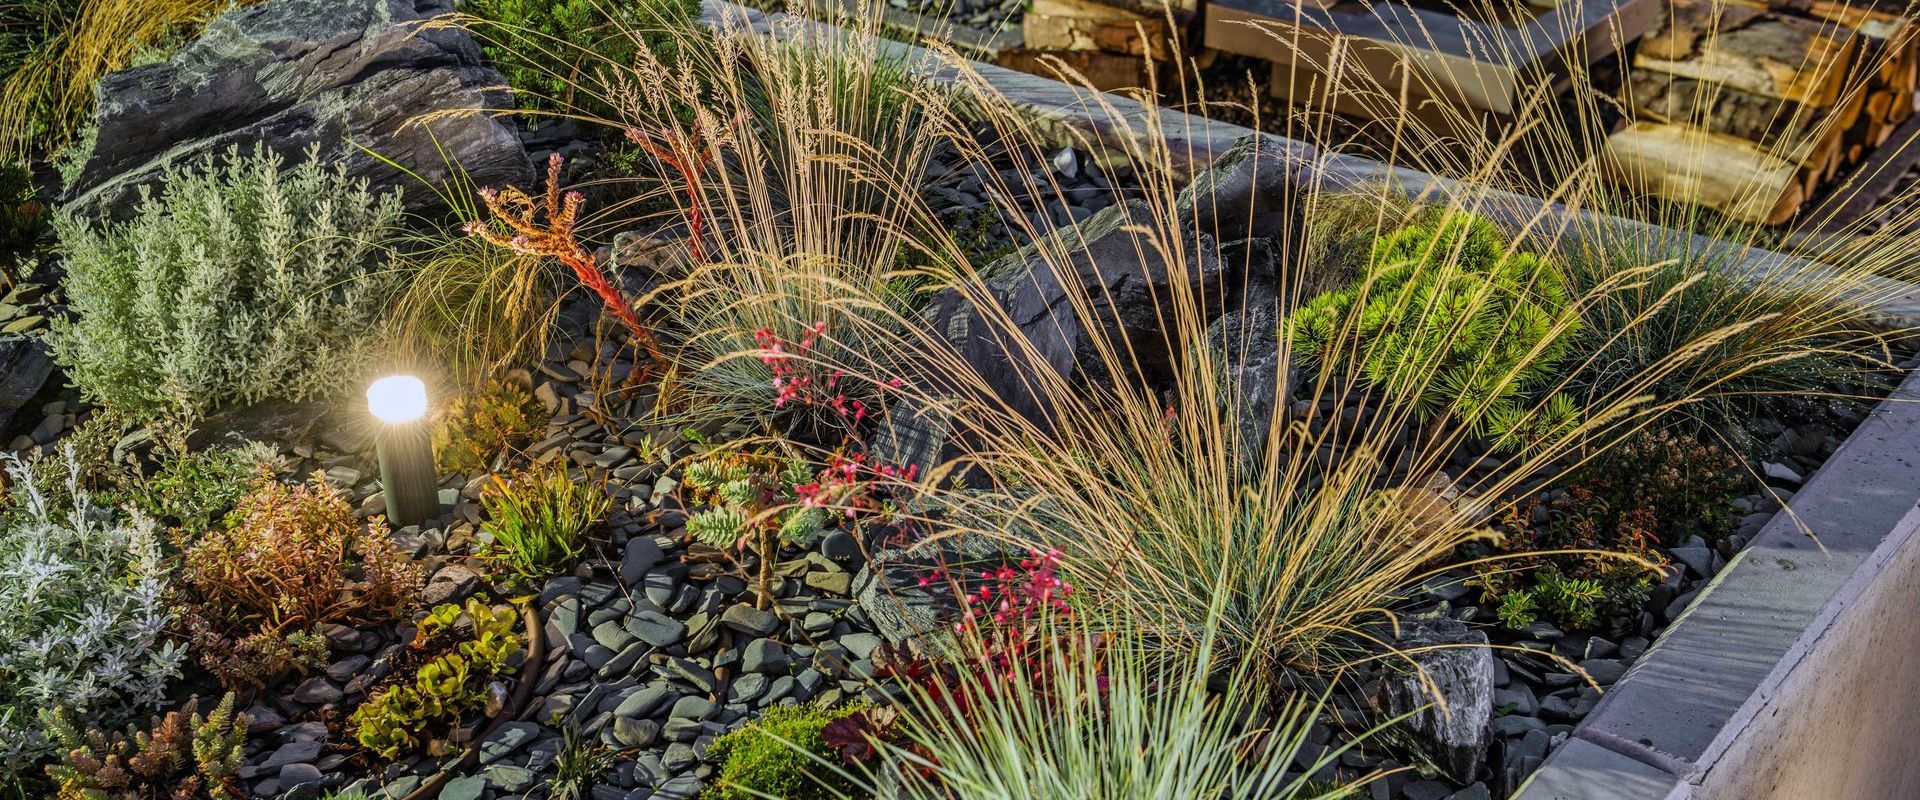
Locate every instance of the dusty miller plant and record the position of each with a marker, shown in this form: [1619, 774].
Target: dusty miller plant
[238, 282]
[81, 616]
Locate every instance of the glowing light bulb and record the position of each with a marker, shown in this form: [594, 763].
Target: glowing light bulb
[397, 399]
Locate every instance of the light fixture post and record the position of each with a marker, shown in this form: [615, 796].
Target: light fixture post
[404, 447]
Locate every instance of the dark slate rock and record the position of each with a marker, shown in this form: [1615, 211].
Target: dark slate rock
[1458, 665]
[679, 757]
[749, 620]
[1247, 193]
[684, 787]
[317, 690]
[1122, 272]
[839, 545]
[303, 752]
[643, 553]
[613, 635]
[645, 701]
[294, 74]
[1477, 791]
[296, 775]
[635, 732]
[624, 661]
[764, 655]
[748, 688]
[509, 778]
[693, 707]
[468, 788]
[25, 365]
[655, 628]
[507, 741]
[1604, 671]
[1246, 342]
[889, 592]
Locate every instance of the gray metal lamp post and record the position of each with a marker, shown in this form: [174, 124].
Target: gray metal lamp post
[405, 449]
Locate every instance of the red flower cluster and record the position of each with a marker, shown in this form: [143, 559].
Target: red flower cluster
[1008, 612]
[847, 483]
[791, 383]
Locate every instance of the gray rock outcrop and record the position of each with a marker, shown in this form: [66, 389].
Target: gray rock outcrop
[340, 74]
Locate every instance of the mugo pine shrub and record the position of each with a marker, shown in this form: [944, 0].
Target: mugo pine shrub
[239, 281]
[1449, 315]
[81, 619]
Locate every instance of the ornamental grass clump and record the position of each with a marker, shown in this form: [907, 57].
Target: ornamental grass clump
[782, 154]
[241, 279]
[82, 617]
[1107, 714]
[291, 558]
[554, 54]
[538, 519]
[471, 308]
[54, 52]
[1249, 471]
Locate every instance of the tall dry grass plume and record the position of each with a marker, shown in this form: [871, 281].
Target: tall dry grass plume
[59, 50]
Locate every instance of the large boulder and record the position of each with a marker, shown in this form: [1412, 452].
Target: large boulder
[1246, 345]
[1227, 219]
[1247, 194]
[341, 75]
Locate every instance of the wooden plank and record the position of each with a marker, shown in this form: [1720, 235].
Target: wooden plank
[1861, 192]
[1794, 131]
[1688, 165]
[1490, 66]
[1107, 72]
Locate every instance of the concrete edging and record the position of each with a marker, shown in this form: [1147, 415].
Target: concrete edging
[1745, 691]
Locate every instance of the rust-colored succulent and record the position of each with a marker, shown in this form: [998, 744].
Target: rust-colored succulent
[180, 756]
[292, 557]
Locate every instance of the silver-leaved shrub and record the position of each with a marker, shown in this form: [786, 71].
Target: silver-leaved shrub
[81, 616]
[240, 280]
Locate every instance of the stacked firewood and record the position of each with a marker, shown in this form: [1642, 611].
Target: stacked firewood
[1112, 44]
[1751, 107]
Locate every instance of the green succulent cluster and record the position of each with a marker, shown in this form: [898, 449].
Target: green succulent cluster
[1451, 316]
[446, 689]
[743, 491]
[783, 755]
[1572, 602]
[480, 426]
